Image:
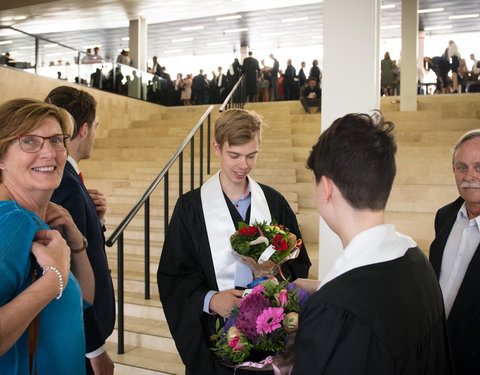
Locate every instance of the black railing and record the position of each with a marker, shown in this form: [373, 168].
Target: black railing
[237, 97]
[118, 233]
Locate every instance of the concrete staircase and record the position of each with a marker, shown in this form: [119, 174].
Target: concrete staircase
[125, 161]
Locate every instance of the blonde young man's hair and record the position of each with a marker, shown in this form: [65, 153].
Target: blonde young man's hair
[22, 116]
[237, 127]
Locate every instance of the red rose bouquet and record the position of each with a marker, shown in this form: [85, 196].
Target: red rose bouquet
[259, 332]
[264, 247]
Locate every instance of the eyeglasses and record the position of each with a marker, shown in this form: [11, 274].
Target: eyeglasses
[34, 143]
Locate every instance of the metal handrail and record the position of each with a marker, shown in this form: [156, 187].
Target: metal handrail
[121, 227]
[238, 90]
[117, 235]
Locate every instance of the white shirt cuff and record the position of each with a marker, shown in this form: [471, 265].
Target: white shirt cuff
[97, 352]
[206, 301]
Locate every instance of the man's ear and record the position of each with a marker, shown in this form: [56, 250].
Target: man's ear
[216, 148]
[327, 188]
[83, 130]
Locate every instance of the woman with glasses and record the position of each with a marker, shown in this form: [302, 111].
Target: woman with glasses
[41, 319]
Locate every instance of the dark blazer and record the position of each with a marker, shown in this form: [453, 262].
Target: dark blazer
[464, 319]
[99, 319]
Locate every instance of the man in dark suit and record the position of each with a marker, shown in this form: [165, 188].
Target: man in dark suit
[156, 68]
[220, 87]
[302, 79]
[87, 208]
[455, 256]
[274, 76]
[289, 81]
[198, 88]
[251, 69]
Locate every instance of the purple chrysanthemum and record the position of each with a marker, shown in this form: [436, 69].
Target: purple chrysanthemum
[251, 307]
[270, 320]
[302, 294]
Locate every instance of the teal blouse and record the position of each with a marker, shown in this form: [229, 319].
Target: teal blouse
[61, 341]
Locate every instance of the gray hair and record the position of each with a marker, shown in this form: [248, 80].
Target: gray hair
[475, 133]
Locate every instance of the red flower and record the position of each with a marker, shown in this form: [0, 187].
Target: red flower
[248, 231]
[279, 243]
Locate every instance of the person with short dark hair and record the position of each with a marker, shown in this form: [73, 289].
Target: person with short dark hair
[87, 207]
[198, 276]
[379, 310]
[455, 255]
[312, 97]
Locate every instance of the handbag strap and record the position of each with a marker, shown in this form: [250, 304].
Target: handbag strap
[32, 334]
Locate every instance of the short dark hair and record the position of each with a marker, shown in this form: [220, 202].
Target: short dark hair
[80, 104]
[357, 152]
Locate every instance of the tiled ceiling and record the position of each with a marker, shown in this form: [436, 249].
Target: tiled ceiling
[105, 22]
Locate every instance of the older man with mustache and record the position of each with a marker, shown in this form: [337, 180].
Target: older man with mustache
[455, 256]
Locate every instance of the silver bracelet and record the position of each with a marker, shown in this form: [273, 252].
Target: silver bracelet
[60, 279]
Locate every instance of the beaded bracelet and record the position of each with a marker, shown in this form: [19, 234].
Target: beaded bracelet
[60, 279]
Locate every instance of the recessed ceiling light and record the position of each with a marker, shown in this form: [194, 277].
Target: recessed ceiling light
[51, 45]
[459, 17]
[6, 42]
[217, 43]
[191, 28]
[236, 30]
[182, 40]
[226, 18]
[274, 34]
[387, 6]
[389, 27]
[446, 27]
[126, 38]
[19, 18]
[173, 51]
[7, 19]
[298, 19]
[433, 10]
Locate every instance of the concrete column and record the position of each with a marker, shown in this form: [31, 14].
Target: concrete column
[420, 54]
[351, 30]
[408, 60]
[138, 43]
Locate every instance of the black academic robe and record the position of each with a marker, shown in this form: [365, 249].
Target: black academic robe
[250, 69]
[381, 319]
[186, 273]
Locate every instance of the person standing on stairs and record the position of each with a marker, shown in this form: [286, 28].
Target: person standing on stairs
[197, 275]
[455, 256]
[87, 207]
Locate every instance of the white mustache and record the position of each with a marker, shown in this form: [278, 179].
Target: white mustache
[466, 184]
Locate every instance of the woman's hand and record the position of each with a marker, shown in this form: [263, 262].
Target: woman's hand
[51, 250]
[60, 219]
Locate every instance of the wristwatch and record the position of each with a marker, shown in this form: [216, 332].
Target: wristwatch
[84, 247]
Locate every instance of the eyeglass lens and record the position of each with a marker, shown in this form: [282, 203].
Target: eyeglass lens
[33, 143]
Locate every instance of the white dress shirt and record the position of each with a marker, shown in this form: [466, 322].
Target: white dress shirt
[374, 245]
[461, 245]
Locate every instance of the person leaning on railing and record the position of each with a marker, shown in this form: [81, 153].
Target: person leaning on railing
[41, 324]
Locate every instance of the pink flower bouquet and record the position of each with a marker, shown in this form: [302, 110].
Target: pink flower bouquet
[260, 331]
[264, 247]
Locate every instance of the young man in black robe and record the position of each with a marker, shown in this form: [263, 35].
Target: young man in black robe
[197, 275]
[379, 310]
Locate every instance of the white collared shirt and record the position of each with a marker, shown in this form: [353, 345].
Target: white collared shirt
[461, 245]
[374, 245]
[74, 164]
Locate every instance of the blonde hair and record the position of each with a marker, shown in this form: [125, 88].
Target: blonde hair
[21, 116]
[238, 126]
